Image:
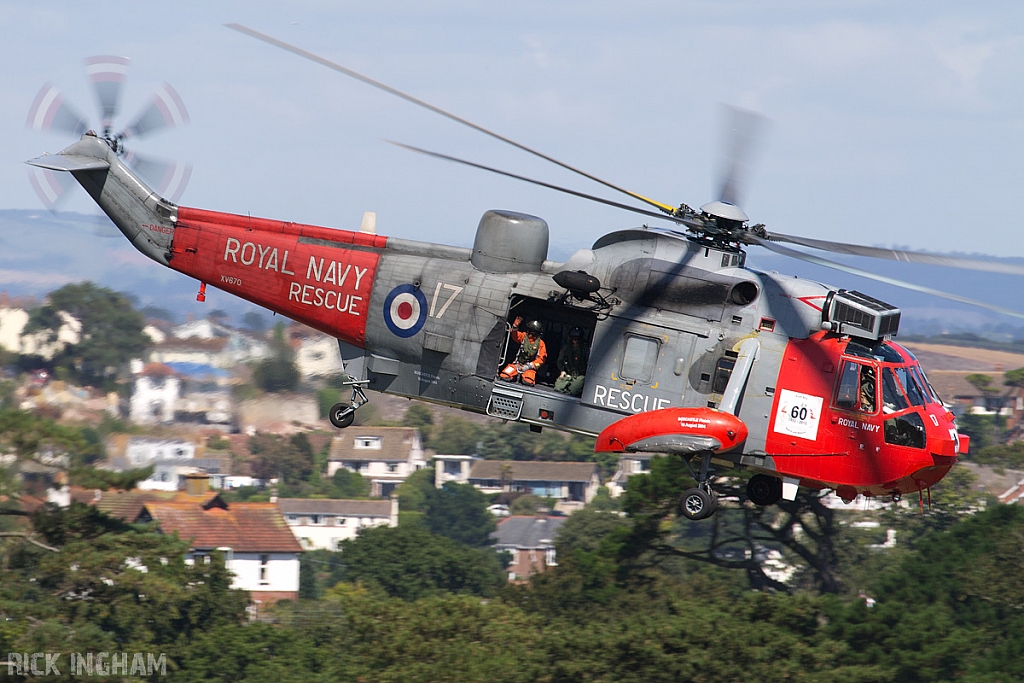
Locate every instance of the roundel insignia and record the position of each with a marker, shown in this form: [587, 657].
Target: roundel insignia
[405, 310]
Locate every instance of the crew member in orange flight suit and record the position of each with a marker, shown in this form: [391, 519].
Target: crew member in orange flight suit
[532, 353]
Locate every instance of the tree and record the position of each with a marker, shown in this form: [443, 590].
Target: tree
[279, 372]
[110, 336]
[254, 322]
[274, 457]
[421, 417]
[349, 484]
[409, 562]
[459, 512]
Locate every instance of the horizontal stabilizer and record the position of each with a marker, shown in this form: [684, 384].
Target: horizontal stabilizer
[69, 162]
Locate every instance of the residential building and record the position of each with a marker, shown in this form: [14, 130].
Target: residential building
[629, 464]
[530, 542]
[321, 524]
[155, 394]
[383, 455]
[258, 547]
[452, 468]
[571, 484]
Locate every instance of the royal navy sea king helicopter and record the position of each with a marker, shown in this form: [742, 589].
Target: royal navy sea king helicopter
[691, 353]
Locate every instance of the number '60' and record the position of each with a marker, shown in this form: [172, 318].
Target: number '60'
[798, 413]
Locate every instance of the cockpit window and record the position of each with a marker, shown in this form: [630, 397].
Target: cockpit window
[880, 351]
[910, 386]
[893, 399]
[857, 387]
[926, 386]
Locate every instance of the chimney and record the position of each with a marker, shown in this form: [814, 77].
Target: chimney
[197, 483]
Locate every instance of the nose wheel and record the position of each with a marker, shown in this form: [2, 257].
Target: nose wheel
[699, 502]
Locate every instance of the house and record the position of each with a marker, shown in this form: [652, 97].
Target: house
[321, 524]
[452, 468]
[629, 464]
[572, 484]
[258, 547]
[316, 354]
[530, 542]
[384, 455]
[155, 394]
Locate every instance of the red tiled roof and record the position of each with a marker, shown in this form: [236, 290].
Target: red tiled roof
[243, 527]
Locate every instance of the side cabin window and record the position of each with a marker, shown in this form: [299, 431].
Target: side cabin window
[858, 388]
[639, 358]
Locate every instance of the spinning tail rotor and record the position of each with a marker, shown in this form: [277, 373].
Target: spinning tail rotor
[51, 111]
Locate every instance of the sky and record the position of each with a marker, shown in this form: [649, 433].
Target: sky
[889, 123]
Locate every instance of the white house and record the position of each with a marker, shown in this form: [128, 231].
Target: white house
[384, 455]
[155, 394]
[452, 468]
[317, 356]
[629, 464]
[321, 524]
[571, 484]
[12, 324]
[141, 451]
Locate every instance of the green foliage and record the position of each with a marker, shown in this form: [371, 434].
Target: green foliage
[410, 563]
[1009, 456]
[290, 460]
[420, 416]
[984, 430]
[279, 372]
[26, 434]
[982, 382]
[92, 478]
[325, 399]
[1014, 377]
[111, 332]
[459, 512]
[416, 490]
[349, 484]
[90, 595]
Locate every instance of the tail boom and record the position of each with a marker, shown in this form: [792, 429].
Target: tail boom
[319, 276]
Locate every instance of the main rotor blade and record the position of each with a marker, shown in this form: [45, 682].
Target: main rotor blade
[817, 260]
[49, 111]
[107, 74]
[902, 255]
[557, 188]
[437, 110]
[165, 110]
[744, 131]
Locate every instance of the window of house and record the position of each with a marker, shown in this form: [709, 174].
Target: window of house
[392, 467]
[452, 467]
[639, 358]
[264, 569]
[549, 557]
[373, 442]
[314, 519]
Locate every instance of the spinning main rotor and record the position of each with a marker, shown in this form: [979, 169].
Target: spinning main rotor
[720, 223]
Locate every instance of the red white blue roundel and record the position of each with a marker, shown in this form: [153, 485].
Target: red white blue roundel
[405, 310]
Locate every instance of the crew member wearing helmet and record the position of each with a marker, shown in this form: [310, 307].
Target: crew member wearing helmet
[532, 353]
[572, 364]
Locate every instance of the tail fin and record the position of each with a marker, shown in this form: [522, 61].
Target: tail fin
[145, 218]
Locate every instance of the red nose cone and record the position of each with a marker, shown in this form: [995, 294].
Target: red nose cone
[673, 430]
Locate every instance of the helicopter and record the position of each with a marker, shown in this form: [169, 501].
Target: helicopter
[688, 351]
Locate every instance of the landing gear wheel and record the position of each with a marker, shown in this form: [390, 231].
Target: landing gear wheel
[341, 415]
[697, 504]
[764, 490]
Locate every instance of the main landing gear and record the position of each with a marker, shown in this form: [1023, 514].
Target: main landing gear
[700, 502]
[342, 414]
